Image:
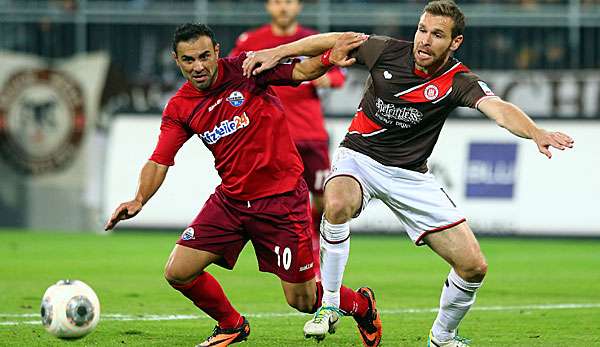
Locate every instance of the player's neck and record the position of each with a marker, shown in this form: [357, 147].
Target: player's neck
[431, 70]
[284, 31]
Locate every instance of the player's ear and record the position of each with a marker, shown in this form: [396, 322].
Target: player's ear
[217, 50]
[174, 56]
[456, 42]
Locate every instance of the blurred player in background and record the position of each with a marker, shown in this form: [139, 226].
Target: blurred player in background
[262, 197]
[412, 88]
[301, 104]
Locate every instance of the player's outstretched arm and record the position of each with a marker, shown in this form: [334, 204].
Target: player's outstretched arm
[512, 118]
[151, 177]
[314, 67]
[259, 61]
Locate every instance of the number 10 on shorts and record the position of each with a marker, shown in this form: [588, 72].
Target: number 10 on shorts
[287, 257]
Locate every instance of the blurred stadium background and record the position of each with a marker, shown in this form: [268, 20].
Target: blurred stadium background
[111, 59]
[83, 84]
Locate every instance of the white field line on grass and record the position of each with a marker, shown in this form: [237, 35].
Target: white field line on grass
[155, 317]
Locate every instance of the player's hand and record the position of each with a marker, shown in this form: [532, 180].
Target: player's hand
[546, 139]
[125, 211]
[344, 45]
[259, 61]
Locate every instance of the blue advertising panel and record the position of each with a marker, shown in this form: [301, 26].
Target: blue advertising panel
[491, 170]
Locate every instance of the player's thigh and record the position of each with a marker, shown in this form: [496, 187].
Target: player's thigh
[216, 230]
[301, 296]
[459, 247]
[420, 203]
[315, 157]
[281, 232]
[350, 185]
[185, 263]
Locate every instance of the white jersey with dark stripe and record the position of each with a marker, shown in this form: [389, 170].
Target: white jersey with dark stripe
[402, 113]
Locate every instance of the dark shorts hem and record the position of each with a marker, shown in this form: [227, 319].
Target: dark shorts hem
[223, 262]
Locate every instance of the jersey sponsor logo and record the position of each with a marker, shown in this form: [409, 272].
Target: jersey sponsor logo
[236, 99]
[211, 107]
[485, 88]
[188, 234]
[392, 115]
[226, 128]
[431, 92]
[387, 75]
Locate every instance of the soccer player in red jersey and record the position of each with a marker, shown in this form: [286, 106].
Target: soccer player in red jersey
[412, 88]
[262, 198]
[301, 104]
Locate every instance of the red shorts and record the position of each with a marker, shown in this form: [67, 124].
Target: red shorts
[315, 157]
[279, 228]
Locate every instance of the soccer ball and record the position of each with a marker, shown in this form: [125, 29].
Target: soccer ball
[70, 309]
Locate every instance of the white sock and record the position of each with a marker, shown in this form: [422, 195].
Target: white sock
[457, 297]
[335, 248]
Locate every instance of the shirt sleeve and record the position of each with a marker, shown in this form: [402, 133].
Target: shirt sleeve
[173, 134]
[369, 52]
[469, 90]
[280, 75]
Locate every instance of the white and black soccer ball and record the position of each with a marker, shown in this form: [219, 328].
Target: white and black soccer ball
[70, 309]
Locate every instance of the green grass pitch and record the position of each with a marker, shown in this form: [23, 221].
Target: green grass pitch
[524, 301]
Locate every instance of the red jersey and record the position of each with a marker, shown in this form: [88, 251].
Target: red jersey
[241, 121]
[302, 105]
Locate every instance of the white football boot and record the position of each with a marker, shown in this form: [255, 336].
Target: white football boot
[324, 321]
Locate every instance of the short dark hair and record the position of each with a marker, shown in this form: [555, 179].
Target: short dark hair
[448, 8]
[189, 31]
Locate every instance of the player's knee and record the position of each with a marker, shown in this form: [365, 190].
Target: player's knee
[337, 211]
[474, 272]
[301, 302]
[301, 306]
[175, 275]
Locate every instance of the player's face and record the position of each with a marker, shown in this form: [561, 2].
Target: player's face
[433, 42]
[283, 12]
[197, 59]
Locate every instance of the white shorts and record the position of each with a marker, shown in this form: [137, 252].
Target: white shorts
[419, 202]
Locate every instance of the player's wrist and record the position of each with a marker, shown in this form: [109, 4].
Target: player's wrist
[284, 51]
[325, 58]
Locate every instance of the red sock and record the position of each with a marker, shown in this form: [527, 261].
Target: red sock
[316, 236]
[351, 302]
[206, 293]
[319, 297]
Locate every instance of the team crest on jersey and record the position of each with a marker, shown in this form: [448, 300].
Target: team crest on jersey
[226, 128]
[236, 99]
[188, 234]
[431, 92]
